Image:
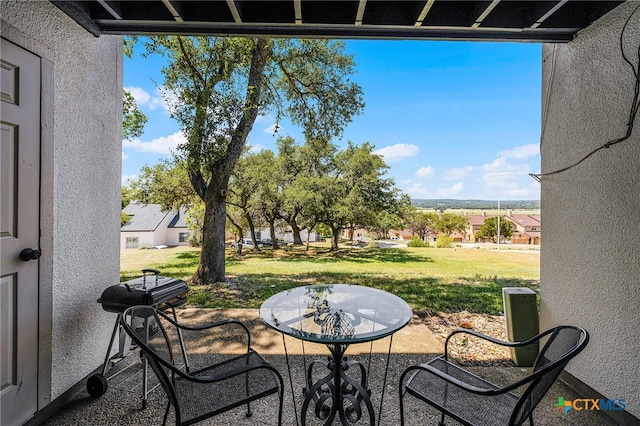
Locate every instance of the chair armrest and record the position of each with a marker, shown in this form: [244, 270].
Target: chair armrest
[207, 326]
[236, 372]
[488, 391]
[450, 379]
[491, 339]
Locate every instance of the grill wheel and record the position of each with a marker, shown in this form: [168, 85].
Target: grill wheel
[97, 385]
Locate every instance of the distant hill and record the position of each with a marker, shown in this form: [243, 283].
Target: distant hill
[476, 204]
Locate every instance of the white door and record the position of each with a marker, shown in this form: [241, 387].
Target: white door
[20, 223]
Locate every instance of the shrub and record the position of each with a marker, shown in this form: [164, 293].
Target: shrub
[124, 219]
[417, 242]
[444, 242]
[194, 241]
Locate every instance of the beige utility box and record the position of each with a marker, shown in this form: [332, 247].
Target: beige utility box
[521, 315]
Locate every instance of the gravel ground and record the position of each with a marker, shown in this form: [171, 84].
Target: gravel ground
[121, 404]
[472, 351]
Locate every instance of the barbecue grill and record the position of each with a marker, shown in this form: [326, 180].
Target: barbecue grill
[151, 289]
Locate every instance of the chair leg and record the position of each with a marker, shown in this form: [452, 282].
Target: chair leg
[166, 414]
[281, 395]
[531, 419]
[246, 383]
[401, 398]
[441, 422]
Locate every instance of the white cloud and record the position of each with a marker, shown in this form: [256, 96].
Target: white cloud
[125, 178]
[161, 145]
[124, 156]
[165, 99]
[512, 184]
[521, 152]
[162, 98]
[425, 172]
[256, 148]
[451, 191]
[496, 166]
[500, 171]
[139, 94]
[418, 191]
[523, 192]
[273, 129]
[458, 173]
[397, 152]
[272, 126]
[264, 118]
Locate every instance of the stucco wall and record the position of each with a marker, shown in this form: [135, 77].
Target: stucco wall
[85, 183]
[590, 261]
[173, 236]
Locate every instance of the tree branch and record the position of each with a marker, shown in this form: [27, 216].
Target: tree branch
[261, 54]
[187, 58]
[198, 182]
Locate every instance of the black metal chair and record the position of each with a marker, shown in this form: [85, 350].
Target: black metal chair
[201, 384]
[472, 400]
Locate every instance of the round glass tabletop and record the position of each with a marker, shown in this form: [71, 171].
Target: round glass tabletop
[336, 313]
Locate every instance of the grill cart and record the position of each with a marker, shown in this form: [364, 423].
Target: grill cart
[163, 293]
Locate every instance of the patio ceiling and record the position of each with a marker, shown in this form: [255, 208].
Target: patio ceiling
[500, 20]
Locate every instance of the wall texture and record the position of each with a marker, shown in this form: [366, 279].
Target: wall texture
[590, 269]
[83, 183]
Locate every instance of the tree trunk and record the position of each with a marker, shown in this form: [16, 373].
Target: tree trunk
[335, 235]
[253, 238]
[211, 267]
[308, 236]
[252, 229]
[297, 239]
[272, 234]
[238, 227]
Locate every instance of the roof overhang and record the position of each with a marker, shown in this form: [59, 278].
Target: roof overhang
[497, 20]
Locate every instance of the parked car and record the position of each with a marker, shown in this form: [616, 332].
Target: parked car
[266, 241]
[245, 242]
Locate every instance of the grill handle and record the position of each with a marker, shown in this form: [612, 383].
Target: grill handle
[144, 276]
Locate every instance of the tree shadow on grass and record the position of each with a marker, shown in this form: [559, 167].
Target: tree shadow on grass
[424, 295]
[183, 266]
[356, 256]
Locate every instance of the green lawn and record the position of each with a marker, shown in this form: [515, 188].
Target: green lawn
[429, 279]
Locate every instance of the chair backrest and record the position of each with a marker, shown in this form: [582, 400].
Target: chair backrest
[157, 337]
[565, 342]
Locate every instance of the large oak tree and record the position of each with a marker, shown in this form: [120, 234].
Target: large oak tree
[220, 85]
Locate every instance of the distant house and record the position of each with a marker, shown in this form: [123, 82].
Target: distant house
[285, 235]
[526, 229]
[149, 226]
[475, 222]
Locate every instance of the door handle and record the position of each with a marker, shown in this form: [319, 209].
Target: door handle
[30, 254]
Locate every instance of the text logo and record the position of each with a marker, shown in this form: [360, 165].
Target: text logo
[583, 404]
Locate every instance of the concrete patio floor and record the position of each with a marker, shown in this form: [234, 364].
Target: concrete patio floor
[121, 405]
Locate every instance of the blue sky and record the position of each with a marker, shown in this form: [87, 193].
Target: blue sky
[452, 119]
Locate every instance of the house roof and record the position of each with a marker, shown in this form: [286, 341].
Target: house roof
[476, 220]
[506, 20]
[144, 217]
[523, 220]
[179, 220]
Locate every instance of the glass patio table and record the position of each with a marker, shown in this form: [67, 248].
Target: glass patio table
[336, 315]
